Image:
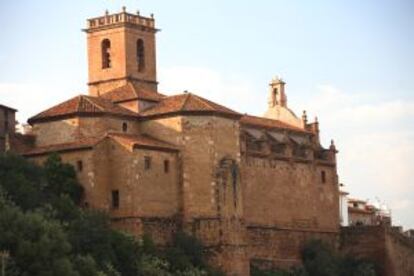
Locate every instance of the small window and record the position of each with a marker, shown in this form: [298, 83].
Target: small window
[147, 162]
[106, 53]
[115, 199]
[124, 127]
[166, 166]
[79, 165]
[323, 176]
[140, 55]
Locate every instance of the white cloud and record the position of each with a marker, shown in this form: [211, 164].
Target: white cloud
[229, 90]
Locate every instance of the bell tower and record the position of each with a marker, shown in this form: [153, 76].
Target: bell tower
[277, 94]
[121, 49]
[277, 108]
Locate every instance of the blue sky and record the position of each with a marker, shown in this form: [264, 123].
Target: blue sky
[351, 63]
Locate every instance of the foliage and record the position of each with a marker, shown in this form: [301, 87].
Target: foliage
[38, 245]
[153, 266]
[186, 251]
[319, 259]
[23, 181]
[61, 179]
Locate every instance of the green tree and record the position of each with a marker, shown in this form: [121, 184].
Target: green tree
[319, 259]
[91, 234]
[37, 245]
[22, 181]
[86, 266]
[61, 179]
[186, 251]
[153, 266]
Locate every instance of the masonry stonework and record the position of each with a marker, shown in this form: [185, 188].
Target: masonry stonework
[252, 189]
[390, 250]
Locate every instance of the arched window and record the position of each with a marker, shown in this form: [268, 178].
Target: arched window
[106, 53]
[140, 55]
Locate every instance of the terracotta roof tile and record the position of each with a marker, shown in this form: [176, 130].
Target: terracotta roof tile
[82, 105]
[142, 140]
[129, 92]
[79, 144]
[187, 103]
[261, 122]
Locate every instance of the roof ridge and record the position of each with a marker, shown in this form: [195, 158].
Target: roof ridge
[78, 106]
[134, 90]
[187, 96]
[205, 102]
[88, 98]
[264, 118]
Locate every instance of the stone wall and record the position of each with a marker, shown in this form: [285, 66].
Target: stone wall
[392, 252]
[212, 205]
[72, 129]
[150, 192]
[291, 194]
[272, 247]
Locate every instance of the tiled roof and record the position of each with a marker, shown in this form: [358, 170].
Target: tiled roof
[82, 105]
[129, 92]
[185, 104]
[261, 122]
[142, 141]
[85, 143]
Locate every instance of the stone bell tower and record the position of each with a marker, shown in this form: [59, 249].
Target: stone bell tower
[121, 49]
[277, 94]
[277, 104]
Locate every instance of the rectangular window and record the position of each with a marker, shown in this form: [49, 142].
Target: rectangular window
[323, 176]
[115, 199]
[147, 162]
[166, 166]
[79, 165]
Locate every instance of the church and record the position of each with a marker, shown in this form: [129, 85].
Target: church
[252, 189]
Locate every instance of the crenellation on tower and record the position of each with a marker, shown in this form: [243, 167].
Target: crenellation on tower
[108, 20]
